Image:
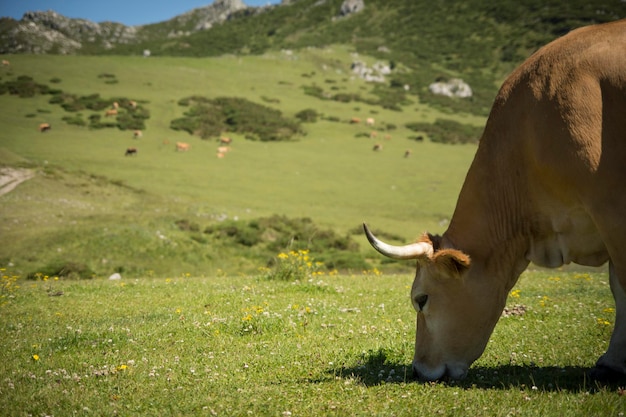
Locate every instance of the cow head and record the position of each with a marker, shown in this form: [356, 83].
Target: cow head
[456, 310]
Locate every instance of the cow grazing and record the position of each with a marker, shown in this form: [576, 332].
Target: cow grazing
[182, 146]
[369, 121]
[547, 185]
[130, 151]
[132, 104]
[407, 153]
[377, 147]
[111, 112]
[5, 63]
[226, 141]
[115, 105]
[355, 120]
[44, 127]
[137, 134]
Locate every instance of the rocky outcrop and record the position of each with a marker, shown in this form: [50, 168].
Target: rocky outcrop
[376, 73]
[205, 17]
[41, 32]
[351, 6]
[454, 87]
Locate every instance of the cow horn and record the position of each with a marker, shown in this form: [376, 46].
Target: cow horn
[412, 251]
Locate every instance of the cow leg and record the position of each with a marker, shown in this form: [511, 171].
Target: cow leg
[611, 366]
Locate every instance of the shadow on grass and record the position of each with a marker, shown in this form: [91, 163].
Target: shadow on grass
[378, 367]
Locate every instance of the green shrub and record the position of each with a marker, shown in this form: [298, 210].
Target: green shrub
[278, 234]
[76, 120]
[65, 269]
[307, 115]
[448, 131]
[24, 87]
[210, 118]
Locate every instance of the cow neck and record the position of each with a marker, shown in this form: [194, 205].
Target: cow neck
[489, 220]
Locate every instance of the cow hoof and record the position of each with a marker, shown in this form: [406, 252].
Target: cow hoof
[606, 375]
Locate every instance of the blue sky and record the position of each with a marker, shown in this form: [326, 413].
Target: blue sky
[128, 12]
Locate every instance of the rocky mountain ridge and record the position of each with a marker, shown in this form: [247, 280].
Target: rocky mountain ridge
[41, 32]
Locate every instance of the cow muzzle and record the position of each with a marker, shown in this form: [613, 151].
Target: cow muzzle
[444, 372]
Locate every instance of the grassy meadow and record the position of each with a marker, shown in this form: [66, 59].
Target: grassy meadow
[332, 345]
[88, 195]
[194, 327]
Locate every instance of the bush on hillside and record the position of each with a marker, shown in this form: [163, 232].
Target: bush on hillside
[130, 115]
[448, 131]
[63, 269]
[209, 118]
[307, 116]
[24, 86]
[276, 234]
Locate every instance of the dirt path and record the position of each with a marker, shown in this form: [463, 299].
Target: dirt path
[12, 177]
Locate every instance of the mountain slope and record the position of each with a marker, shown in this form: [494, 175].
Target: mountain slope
[426, 40]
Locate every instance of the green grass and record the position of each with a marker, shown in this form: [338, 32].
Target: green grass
[334, 345]
[90, 201]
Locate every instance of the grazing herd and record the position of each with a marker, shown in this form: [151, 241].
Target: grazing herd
[224, 142]
[377, 147]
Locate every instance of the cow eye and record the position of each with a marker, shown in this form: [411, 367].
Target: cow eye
[421, 301]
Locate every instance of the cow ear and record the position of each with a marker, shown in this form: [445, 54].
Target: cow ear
[452, 262]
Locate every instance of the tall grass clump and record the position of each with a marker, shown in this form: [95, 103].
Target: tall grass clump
[8, 285]
[294, 266]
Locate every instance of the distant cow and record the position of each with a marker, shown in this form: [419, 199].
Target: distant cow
[115, 105]
[407, 153]
[369, 121]
[111, 112]
[132, 104]
[130, 151]
[373, 134]
[355, 120]
[44, 127]
[223, 149]
[137, 134]
[5, 63]
[226, 141]
[377, 147]
[182, 146]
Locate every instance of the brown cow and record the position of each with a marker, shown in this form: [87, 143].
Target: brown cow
[377, 147]
[182, 146]
[547, 185]
[226, 141]
[44, 127]
[111, 112]
[5, 63]
[355, 120]
[407, 153]
[137, 134]
[223, 149]
[130, 151]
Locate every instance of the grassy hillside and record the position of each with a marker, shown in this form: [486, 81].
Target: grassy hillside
[91, 203]
[476, 40]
